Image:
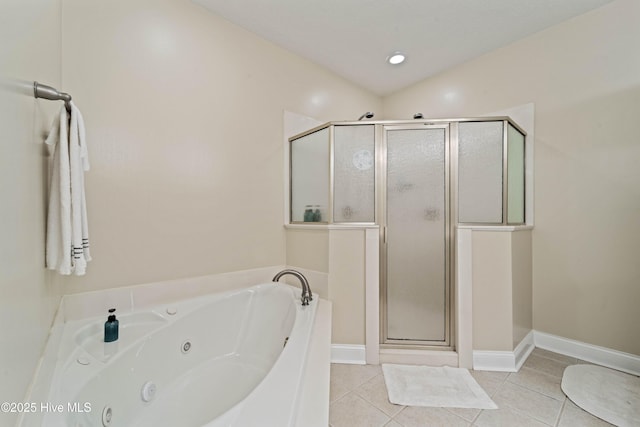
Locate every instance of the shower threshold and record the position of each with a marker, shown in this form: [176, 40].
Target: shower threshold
[416, 356]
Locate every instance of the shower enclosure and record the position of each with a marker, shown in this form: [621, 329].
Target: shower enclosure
[417, 180]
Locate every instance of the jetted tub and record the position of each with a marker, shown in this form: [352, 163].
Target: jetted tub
[232, 359]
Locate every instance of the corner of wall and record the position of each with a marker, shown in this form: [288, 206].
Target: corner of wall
[31, 32]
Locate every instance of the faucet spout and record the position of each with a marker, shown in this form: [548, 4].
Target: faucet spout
[306, 289]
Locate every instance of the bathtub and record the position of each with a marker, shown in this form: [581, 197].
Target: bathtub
[231, 359]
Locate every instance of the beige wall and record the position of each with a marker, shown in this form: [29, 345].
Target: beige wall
[492, 291]
[29, 50]
[184, 122]
[308, 249]
[522, 285]
[502, 289]
[584, 78]
[347, 285]
[340, 254]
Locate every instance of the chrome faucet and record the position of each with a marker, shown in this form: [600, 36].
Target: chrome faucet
[306, 290]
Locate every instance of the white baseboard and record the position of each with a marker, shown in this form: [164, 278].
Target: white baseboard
[614, 359]
[512, 361]
[484, 360]
[352, 354]
[524, 349]
[505, 361]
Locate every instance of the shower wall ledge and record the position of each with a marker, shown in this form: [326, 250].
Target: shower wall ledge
[495, 227]
[375, 226]
[331, 226]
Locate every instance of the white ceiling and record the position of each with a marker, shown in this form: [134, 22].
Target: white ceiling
[354, 37]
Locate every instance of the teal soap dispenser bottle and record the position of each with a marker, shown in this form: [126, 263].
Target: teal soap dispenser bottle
[111, 327]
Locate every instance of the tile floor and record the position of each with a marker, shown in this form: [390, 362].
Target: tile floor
[531, 397]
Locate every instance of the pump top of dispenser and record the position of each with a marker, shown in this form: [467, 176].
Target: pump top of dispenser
[112, 316]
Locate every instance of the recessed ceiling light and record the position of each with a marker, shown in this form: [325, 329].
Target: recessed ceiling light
[396, 58]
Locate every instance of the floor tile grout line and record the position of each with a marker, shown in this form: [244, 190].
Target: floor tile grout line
[367, 402]
[377, 407]
[518, 411]
[339, 397]
[502, 382]
[474, 418]
[355, 387]
[463, 419]
[550, 359]
[533, 391]
[365, 381]
[564, 404]
[373, 406]
[394, 417]
[555, 359]
[539, 391]
[478, 415]
[524, 414]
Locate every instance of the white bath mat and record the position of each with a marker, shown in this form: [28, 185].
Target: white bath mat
[436, 387]
[605, 393]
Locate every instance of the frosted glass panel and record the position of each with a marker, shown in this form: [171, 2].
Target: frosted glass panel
[416, 220]
[480, 172]
[310, 177]
[515, 176]
[354, 174]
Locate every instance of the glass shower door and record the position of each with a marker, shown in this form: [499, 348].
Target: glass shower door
[415, 241]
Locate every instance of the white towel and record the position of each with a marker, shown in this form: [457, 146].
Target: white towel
[67, 249]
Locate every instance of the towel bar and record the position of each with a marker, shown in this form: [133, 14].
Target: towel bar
[47, 92]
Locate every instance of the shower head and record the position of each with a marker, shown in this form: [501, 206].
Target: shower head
[418, 116]
[367, 115]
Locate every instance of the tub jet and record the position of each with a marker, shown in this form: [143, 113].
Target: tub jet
[107, 414]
